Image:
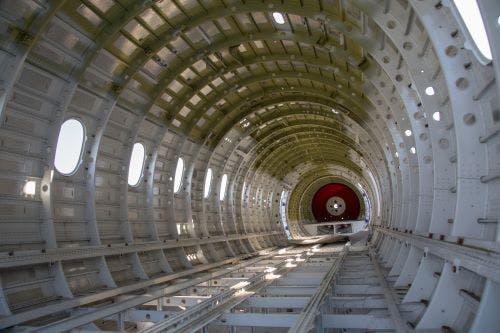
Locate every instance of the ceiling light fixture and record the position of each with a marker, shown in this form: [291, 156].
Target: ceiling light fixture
[408, 132]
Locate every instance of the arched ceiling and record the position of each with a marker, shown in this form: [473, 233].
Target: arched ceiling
[336, 83]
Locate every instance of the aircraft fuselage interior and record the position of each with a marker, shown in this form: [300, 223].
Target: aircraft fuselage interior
[249, 166]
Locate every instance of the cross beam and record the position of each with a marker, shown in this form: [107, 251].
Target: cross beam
[310, 311]
[366, 322]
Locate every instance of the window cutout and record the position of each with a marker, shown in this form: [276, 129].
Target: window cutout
[436, 116]
[208, 182]
[429, 91]
[471, 16]
[30, 187]
[408, 132]
[278, 18]
[179, 170]
[223, 185]
[69, 147]
[136, 164]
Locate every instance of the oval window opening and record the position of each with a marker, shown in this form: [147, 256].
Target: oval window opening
[471, 17]
[179, 170]
[69, 147]
[208, 182]
[436, 116]
[223, 185]
[136, 164]
[278, 18]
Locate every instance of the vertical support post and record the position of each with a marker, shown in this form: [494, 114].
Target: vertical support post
[120, 323]
[318, 326]
[159, 302]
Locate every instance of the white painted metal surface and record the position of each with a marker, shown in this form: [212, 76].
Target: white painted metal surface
[282, 97]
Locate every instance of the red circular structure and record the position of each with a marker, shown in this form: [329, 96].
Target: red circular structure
[335, 202]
